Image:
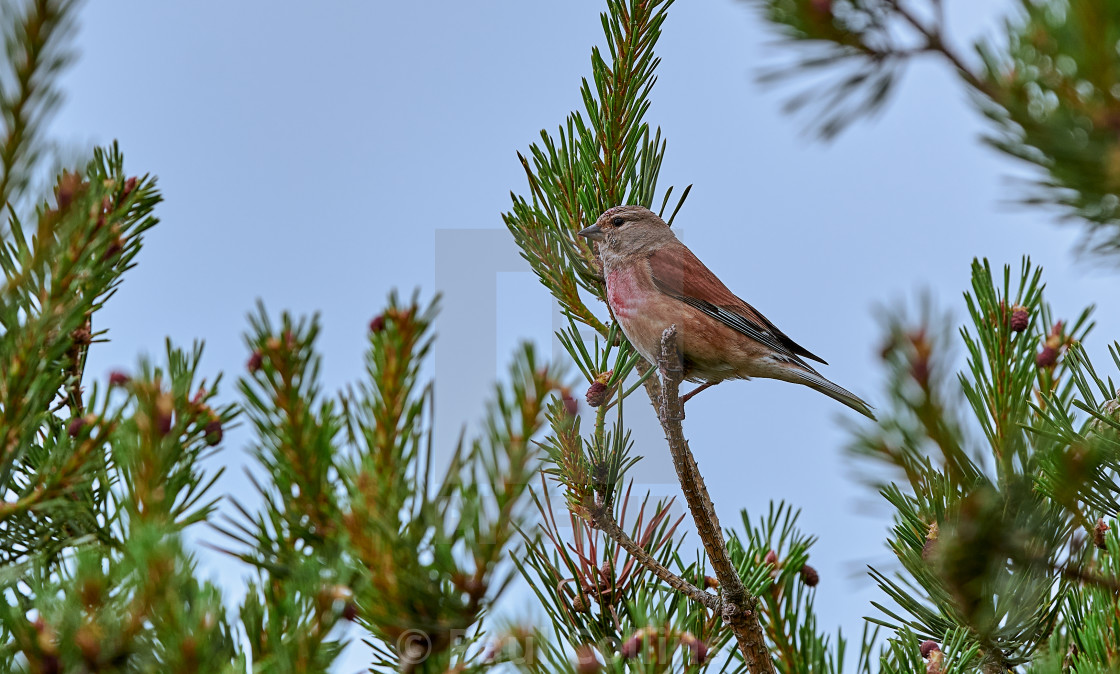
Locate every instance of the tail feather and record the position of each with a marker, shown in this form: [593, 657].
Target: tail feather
[815, 381]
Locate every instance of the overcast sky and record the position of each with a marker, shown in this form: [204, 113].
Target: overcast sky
[318, 155]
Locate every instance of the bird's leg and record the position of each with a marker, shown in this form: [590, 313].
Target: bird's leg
[696, 390]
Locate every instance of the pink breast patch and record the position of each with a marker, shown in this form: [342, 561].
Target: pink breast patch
[623, 293]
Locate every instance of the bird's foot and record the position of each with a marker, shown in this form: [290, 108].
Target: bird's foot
[688, 396]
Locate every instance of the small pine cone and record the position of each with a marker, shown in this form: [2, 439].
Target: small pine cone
[571, 405]
[771, 558]
[76, 426]
[1099, 532]
[698, 647]
[809, 576]
[580, 603]
[377, 324]
[700, 650]
[118, 378]
[129, 186]
[255, 361]
[1047, 357]
[710, 582]
[350, 611]
[597, 394]
[632, 646]
[199, 397]
[928, 647]
[68, 186]
[214, 432]
[1020, 318]
[163, 423]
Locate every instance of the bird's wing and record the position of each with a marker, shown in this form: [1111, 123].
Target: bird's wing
[681, 275]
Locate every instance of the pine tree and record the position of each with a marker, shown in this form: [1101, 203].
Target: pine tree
[1004, 471]
[1002, 477]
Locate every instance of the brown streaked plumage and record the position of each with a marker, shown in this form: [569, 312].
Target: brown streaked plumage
[654, 281]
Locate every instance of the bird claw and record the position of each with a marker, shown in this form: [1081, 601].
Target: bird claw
[686, 397]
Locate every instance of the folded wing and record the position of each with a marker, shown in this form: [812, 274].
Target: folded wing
[681, 275]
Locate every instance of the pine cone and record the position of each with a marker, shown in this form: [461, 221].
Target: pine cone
[1020, 318]
[698, 647]
[580, 604]
[76, 426]
[596, 394]
[571, 405]
[632, 646]
[214, 432]
[809, 576]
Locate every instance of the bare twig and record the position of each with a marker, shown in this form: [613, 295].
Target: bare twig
[935, 44]
[601, 517]
[737, 607]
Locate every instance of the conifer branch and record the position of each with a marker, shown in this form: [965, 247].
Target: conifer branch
[603, 520]
[738, 606]
[35, 55]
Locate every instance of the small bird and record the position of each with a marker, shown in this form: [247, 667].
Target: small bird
[654, 281]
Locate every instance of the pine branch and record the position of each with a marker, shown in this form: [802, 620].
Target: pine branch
[1047, 87]
[602, 518]
[34, 46]
[737, 607]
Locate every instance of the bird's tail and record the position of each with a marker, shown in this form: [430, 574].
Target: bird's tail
[814, 380]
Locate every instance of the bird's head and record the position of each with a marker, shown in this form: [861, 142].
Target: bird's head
[628, 230]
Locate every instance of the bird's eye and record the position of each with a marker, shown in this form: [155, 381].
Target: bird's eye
[618, 221]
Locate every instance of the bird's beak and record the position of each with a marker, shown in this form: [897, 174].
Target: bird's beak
[593, 232]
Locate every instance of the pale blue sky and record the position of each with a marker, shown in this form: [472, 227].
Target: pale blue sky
[314, 155]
